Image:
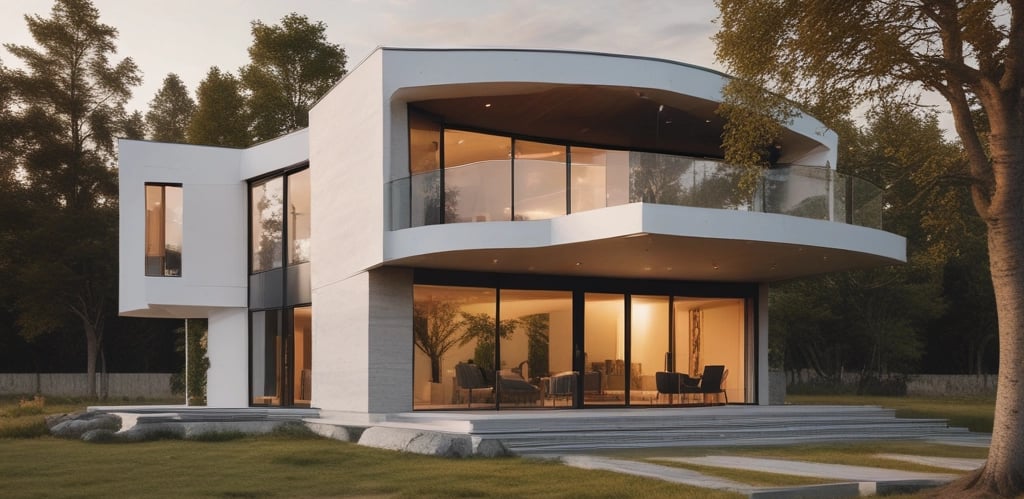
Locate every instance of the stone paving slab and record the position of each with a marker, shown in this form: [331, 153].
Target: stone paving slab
[650, 470]
[953, 463]
[817, 470]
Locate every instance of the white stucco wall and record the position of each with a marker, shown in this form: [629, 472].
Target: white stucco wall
[347, 182]
[227, 380]
[213, 229]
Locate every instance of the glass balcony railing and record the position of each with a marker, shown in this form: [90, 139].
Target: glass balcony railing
[483, 191]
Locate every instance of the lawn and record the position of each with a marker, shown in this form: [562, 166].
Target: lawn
[974, 414]
[288, 465]
[280, 465]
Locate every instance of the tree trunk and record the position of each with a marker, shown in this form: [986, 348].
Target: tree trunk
[435, 369]
[1003, 473]
[92, 348]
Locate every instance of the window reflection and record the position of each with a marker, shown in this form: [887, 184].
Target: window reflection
[267, 224]
[453, 334]
[539, 180]
[477, 177]
[267, 357]
[599, 178]
[298, 217]
[163, 230]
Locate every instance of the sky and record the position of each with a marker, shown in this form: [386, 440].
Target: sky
[187, 37]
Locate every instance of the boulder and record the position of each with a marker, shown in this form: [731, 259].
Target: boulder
[333, 432]
[431, 443]
[78, 424]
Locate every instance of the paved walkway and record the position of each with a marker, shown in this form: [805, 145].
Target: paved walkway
[953, 463]
[851, 481]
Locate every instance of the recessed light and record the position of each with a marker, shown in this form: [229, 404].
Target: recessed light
[495, 261]
[487, 105]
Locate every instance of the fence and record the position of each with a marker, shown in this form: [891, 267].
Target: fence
[918, 385]
[116, 385]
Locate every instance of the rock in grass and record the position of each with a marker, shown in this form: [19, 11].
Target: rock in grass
[99, 435]
[78, 424]
[431, 443]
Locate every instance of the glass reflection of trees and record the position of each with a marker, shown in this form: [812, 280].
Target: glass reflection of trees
[268, 224]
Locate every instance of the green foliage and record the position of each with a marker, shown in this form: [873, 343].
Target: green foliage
[538, 332]
[170, 111]
[480, 329]
[292, 65]
[221, 116]
[66, 107]
[198, 362]
[435, 331]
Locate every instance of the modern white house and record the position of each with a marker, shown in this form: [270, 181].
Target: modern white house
[488, 229]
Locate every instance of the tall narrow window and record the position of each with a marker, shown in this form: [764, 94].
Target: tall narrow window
[163, 230]
[267, 224]
[298, 217]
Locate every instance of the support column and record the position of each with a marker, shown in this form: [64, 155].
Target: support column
[227, 380]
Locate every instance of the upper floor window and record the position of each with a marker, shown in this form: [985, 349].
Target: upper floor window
[163, 229]
[279, 221]
[298, 217]
[267, 224]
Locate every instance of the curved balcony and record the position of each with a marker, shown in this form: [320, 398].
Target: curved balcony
[536, 189]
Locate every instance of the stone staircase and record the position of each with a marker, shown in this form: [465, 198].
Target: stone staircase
[579, 430]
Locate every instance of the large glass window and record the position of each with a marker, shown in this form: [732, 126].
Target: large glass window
[302, 346]
[539, 180]
[163, 230]
[536, 347]
[712, 331]
[477, 177]
[424, 169]
[454, 334]
[649, 341]
[481, 348]
[267, 357]
[599, 178]
[298, 217]
[267, 224]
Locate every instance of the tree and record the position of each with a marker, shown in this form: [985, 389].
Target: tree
[70, 104]
[834, 56]
[170, 111]
[436, 329]
[220, 118]
[292, 65]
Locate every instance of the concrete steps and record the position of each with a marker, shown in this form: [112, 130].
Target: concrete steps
[567, 431]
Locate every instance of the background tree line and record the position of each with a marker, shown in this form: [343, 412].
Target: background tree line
[62, 107]
[934, 315]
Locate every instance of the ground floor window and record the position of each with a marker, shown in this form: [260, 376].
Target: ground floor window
[281, 353]
[510, 346]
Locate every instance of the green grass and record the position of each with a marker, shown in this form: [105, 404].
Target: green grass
[276, 466]
[974, 414]
[297, 465]
[752, 478]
